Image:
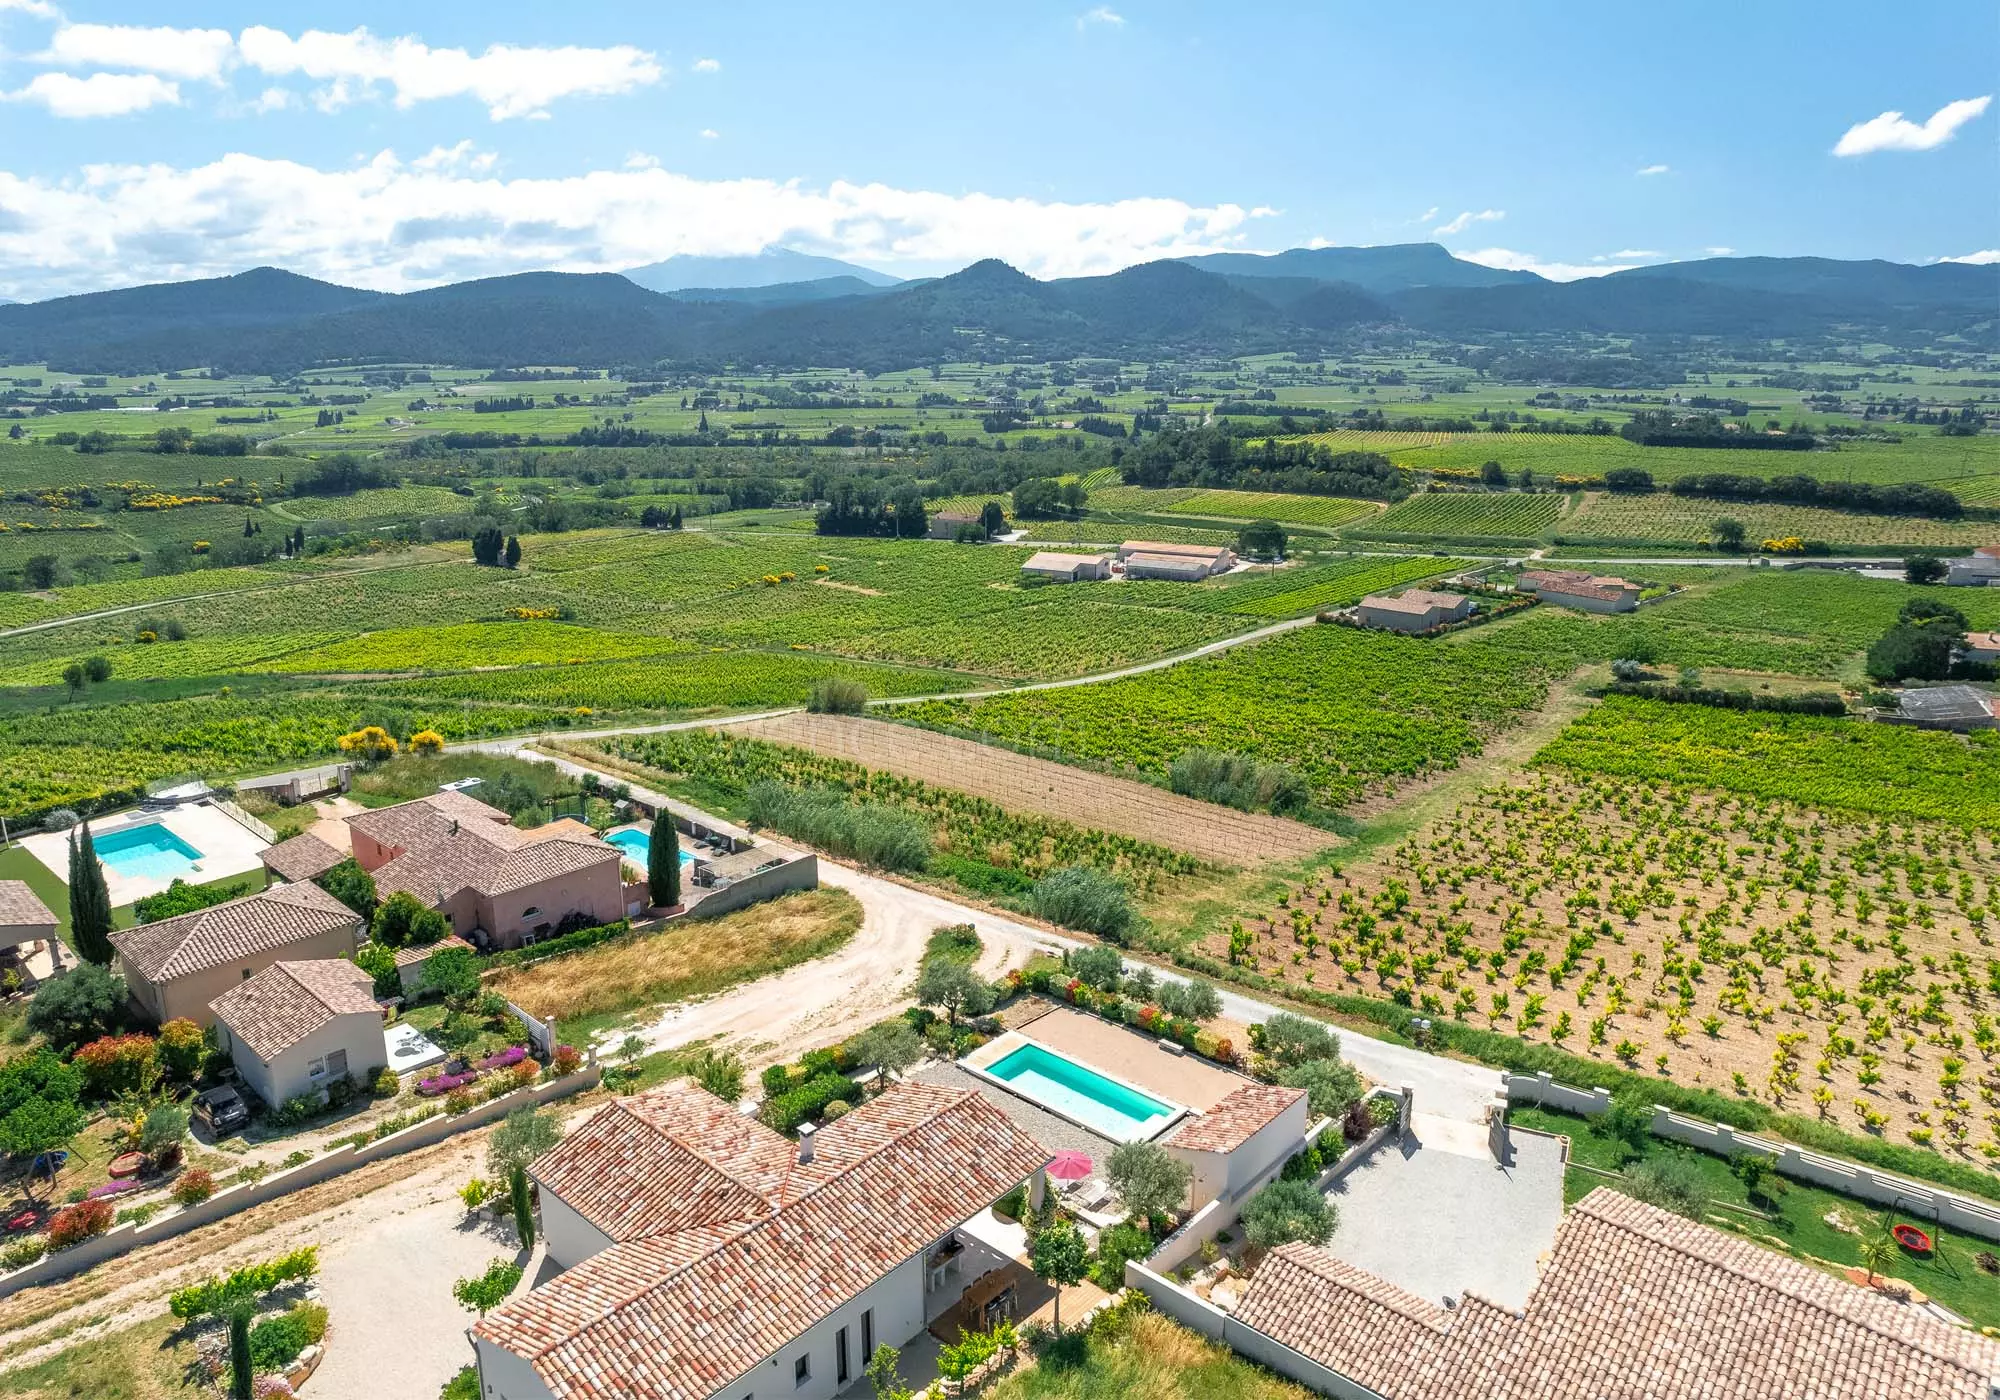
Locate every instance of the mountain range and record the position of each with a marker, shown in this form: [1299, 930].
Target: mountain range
[766, 267]
[270, 321]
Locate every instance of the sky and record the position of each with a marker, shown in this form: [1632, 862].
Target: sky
[401, 146]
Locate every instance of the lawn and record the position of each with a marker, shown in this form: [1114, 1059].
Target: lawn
[1150, 1358]
[147, 1362]
[16, 863]
[600, 987]
[1796, 1220]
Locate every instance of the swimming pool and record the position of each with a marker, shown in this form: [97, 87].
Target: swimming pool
[1081, 1094]
[146, 851]
[637, 845]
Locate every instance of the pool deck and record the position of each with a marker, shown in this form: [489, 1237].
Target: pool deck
[226, 848]
[1133, 1057]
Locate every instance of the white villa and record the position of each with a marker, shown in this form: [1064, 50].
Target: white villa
[1979, 569]
[705, 1255]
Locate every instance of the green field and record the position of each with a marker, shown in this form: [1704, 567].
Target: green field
[1465, 515]
[1327, 511]
[1684, 520]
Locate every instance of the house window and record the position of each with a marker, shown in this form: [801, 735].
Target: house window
[336, 1064]
[316, 1069]
[802, 1370]
[840, 1356]
[868, 1332]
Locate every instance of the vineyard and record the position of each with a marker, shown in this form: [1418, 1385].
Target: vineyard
[1746, 945]
[1106, 532]
[1849, 765]
[1463, 514]
[1684, 520]
[1352, 712]
[965, 826]
[1329, 512]
[375, 503]
[1331, 586]
[468, 646]
[1050, 640]
[1020, 784]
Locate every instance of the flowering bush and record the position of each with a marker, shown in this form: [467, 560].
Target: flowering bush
[117, 1064]
[505, 1059]
[193, 1187]
[78, 1223]
[525, 1073]
[444, 1083]
[181, 1048]
[566, 1060]
[458, 1101]
[113, 1188]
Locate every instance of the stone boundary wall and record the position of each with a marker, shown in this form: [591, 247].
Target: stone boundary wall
[1947, 1208]
[340, 1160]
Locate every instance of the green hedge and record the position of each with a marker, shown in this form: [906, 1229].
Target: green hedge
[568, 943]
[1530, 1057]
[808, 1100]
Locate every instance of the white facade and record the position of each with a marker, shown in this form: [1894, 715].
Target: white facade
[1227, 1175]
[1625, 601]
[1977, 570]
[347, 1046]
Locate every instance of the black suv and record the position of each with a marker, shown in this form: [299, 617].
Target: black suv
[221, 1110]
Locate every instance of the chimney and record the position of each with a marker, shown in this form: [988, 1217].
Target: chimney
[806, 1131]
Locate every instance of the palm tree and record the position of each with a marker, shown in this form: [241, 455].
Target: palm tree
[1877, 1255]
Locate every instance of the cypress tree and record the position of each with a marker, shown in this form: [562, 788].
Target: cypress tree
[513, 551]
[89, 900]
[663, 862]
[524, 1209]
[242, 1376]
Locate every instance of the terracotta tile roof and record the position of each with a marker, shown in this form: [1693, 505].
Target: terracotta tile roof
[1634, 1302]
[405, 957]
[228, 932]
[302, 857]
[1210, 552]
[436, 870]
[427, 818]
[1058, 559]
[20, 906]
[747, 1248]
[288, 1001]
[1982, 641]
[1574, 584]
[1235, 1120]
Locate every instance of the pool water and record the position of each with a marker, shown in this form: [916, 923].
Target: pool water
[147, 851]
[1082, 1094]
[636, 845]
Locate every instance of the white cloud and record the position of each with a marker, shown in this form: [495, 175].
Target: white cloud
[1466, 220]
[709, 133]
[274, 99]
[1892, 131]
[708, 65]
[511, 81]
[385, 222]
[463, 156]
[99, 95]
[1629, 255]
[1720, 251]
[193, 54]
[1512, 261]
[1426, 216]
[40, 9]
[639, 160]
[1653, 170]
[1982, 257]
[1102, 15]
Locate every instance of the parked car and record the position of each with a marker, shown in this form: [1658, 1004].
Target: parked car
[221, 1110]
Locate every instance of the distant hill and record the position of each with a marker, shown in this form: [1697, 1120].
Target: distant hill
[275, 322]
[784, 293]
[1392, 267]
[770, 268]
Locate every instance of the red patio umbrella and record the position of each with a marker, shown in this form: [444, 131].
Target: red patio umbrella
[1070, 1166]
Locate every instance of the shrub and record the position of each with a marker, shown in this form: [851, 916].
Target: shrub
[776, 1079]
[458, 1101]
[387, 1083]
[1288, 1211]
[78, 1223]
[1332, 1086]
[1669, 1183]
[837, 695]
[192, 1187]
[876, 835]
[1237, 780]
[182, 1048]
[795, 1106]
[22, 1253]
[1114, 1247]
[404, 921]
[571, 942]
[117, 1064]
[81, 1005]
[566, 1060]
[219, 1294]
[720, 1072]
[276, 1342]
[1082, 897]
[1293, 1040]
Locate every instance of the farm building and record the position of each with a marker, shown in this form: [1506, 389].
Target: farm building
[297, 1027]
[1598, 593]
[1067, 568]
[176, 967]
[1417, 610]
[1979, 569]
[1239, 1142]
[499, 886]
[1633, 1300]
[945, 524]
[1982, 647]
[1957, 707]
[703, 1254]
[1150, 556]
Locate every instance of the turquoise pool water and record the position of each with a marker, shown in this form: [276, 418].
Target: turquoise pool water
[1081, 1094]
[147, 851]
[635, 844]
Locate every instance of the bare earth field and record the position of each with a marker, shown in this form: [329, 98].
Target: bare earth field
[1034, 785]
[1814, 962]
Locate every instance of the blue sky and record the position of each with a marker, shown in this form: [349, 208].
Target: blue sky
[398, 146]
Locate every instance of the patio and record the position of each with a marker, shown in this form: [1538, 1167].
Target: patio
[1132, 1056]
[222, 847]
